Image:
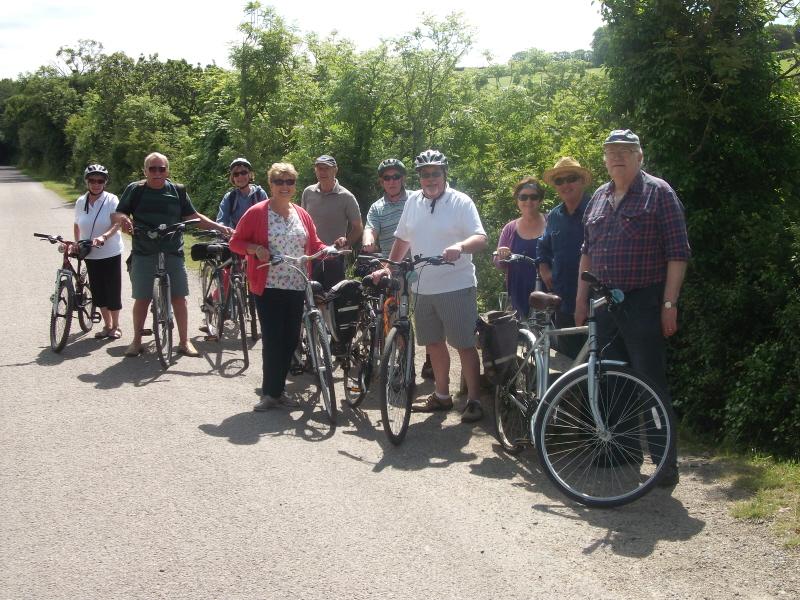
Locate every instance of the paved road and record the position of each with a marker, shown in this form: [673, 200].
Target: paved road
[123, 481]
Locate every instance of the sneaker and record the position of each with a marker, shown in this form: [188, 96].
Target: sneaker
[288, 402]
[433, 403]
[472, 412]
[427, 370]
[103, 333]
[670, 477]
[266, 403]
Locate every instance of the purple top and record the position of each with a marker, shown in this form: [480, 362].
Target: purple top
[629, 247]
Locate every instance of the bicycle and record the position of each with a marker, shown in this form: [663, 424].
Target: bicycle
[161, 305]
[592, 427]
[72, 293]
[223, 304]
[396, 372]
[318, 337]
[364, 350]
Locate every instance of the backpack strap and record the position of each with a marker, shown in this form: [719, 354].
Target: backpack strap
[136, 195]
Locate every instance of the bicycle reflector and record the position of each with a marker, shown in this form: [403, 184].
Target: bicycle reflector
[62, 248]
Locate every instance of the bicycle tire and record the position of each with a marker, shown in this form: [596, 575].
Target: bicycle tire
[84, 302]
[512, 424]
[356, 366]
[162, 321]
[319, 346]
[216, 315]
[375, 350]
[395, 389]
[605, 470]
[239, 310]
[61, 315]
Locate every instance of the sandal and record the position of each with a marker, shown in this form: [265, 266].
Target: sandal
[103, 333]
[115, 333]
[134, 349]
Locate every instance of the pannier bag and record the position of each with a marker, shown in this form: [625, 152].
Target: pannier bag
[344, 302]
[497, 338]
[200, 251]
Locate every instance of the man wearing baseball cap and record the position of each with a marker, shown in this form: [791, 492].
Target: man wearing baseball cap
[559, 248]
[635, 239]
[336, 215]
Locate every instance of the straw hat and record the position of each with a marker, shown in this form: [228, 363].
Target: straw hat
[567, 164]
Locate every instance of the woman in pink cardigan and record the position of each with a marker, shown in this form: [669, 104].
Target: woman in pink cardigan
[281, 227]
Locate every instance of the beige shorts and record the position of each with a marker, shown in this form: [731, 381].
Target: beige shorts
[449, 316]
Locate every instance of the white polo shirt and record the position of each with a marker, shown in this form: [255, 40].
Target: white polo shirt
[454, 219]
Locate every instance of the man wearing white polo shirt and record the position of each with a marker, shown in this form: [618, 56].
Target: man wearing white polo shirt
[440, 220]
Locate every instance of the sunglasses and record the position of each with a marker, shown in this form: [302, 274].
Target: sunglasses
[96, 181]
[394, 177]
[240, 173]
[283, 181]
[571, 178]
[526, 197]
[157, 169]
[431, 175]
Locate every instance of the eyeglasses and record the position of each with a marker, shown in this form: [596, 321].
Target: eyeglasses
[571, 178]
[431, 174]
[526, 197]
[96, 181]
[157, 169]
[623, 153]
[240, 173]
[283, 181]
[394, 177]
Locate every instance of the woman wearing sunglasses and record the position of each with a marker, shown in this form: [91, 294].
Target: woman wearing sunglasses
[521, 236]
[276, 226]
[242, 196]
[104, 263]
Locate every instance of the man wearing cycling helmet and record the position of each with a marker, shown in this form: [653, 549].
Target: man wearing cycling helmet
[438, 220]
[243, 195]
[149, 203]
[336, 215]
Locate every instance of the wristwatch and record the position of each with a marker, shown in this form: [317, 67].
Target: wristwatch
[668, 304]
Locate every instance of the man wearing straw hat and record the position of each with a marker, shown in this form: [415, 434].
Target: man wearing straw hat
[559, 249]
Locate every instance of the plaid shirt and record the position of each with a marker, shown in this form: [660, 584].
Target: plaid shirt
[629, 247]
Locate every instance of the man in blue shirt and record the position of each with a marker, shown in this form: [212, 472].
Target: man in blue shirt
[560, 247]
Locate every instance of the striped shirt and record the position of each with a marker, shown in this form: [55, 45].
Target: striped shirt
[629, 247]
[383, 217]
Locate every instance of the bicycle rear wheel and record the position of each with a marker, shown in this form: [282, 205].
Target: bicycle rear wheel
[85, 302]
[356, 367]
[397, 384]
[319, 346]
[162, 320]
[238, 318]
[514, 399]
[618, 466]
[61, 315]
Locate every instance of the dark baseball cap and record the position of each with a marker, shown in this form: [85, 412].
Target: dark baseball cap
[622, 136]
[326, 159]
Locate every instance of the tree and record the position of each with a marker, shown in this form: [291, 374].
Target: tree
[599, 46]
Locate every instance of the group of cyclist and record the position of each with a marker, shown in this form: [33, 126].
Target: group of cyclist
[631, 233]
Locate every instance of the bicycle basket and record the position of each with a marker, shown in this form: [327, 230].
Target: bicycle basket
[206, 251]
[497, 338]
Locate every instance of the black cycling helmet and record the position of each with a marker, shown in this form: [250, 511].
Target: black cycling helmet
[240, 162]
[391, 163]
[430, 157]
[96, 168]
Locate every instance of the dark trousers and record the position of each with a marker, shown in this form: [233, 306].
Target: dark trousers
[328, 272]
[280, 313]
[568, 345]
[105, 281]
[633, 334]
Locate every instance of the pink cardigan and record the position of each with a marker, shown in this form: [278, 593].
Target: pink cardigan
[253, 228]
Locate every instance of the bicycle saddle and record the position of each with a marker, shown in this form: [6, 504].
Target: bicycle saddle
[544, 301]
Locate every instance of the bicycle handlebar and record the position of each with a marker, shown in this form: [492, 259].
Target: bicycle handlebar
[518, 258]
[612, 295]
[329, 251]
[163, 230]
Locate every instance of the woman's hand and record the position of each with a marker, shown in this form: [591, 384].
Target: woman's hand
[99, 240]
[503, 252]
[262, 253]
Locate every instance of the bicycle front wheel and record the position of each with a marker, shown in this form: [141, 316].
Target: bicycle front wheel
[85, 303]
[397, 384]
[356, 366]
[238, 317]
[613, 464]
[162, 320]
[515, 398]
[319, 346]
[61, 315]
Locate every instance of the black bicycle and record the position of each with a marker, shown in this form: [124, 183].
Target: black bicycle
[72, 293]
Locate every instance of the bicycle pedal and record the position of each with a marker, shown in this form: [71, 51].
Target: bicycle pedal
[147, 332]
[211, 338]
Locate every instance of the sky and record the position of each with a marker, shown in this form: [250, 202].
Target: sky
[201, 32]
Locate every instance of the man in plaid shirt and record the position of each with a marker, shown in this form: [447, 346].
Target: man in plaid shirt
[635, 240]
